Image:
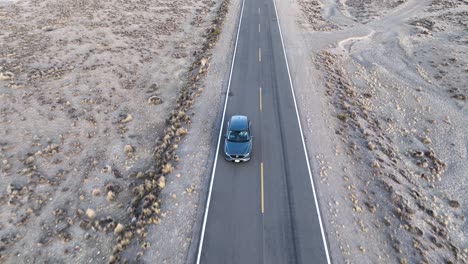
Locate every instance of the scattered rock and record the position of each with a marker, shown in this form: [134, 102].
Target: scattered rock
[13, 189]
[140, 175]
[90, 213]
[358, 209]
[119, 228]
[129, 149]
[431, 212]
[460, 97]
[110, 196]
[375, 164]
[5, 76]
[155, 100]
[423, 164]
[96, 192]
[371, 146]
[127, 119]
[203, 62]
[29, 160]
[106, 169]
[454, 204]
[372, 208]
[426, 140]
[162, 182]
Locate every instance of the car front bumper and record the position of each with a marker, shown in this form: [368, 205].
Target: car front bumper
[236, 158]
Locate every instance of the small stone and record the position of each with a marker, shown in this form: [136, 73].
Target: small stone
[146, 245]
[90, 213]
[129, 149]
[375, 164]
[423, 164]
[426, 140]
[203, 62]
[432, 213]
[140, 175]
[162, 182]
[4, 76]
[96, 192]
[155, 100]
[127, 119]
[29, 160]
[460, 97]
[110, 196]
[106, 169]
[11, 188]
[454, 204]
[119, 228]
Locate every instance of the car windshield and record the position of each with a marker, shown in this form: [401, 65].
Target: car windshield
[238, 136]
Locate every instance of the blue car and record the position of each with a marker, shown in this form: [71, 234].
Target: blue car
[238, 140]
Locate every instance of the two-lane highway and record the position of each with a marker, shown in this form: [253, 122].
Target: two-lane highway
[265, 210]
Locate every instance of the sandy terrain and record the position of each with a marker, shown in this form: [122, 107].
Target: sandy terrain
[384, 102]
[95, 98]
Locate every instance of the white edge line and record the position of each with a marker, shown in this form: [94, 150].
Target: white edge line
[207, 207]
[303, 141]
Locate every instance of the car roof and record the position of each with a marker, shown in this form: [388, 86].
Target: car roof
[238, 123]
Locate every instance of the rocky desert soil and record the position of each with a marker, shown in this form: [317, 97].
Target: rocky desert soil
[382, 91]
[95, 99]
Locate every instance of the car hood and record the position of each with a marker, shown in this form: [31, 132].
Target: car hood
[237, 148]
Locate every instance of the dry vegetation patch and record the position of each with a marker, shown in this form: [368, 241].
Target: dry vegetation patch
[420, 221]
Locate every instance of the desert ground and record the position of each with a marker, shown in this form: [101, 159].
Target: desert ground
[382, 88]
[109, 112]
[95, 99]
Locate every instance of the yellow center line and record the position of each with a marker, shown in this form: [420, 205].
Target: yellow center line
[259, 54]
[260, 99]
[261, 187]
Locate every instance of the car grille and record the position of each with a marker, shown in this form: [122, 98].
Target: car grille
[237, 156]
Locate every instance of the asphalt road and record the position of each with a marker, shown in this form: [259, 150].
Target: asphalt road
[262, 211]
